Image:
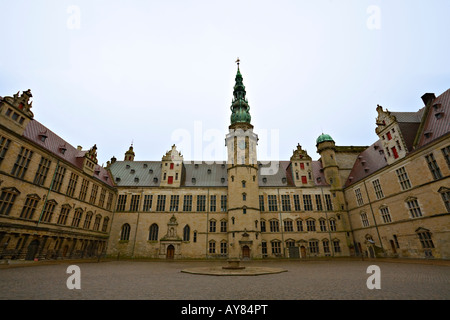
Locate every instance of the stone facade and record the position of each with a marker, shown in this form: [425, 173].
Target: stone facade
[387, 199]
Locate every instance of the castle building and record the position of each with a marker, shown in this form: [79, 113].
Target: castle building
[390, 199]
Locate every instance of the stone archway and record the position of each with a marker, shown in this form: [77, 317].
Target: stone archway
[170, 252]
[32, 250]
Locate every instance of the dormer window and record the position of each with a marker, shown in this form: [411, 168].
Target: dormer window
[283, 180]
[194, 180]
[264, 179]
[222, 180]
[439, 115]
[427, 134]
[132, 171]
[136, 179]
[62, 150]
[42, 137]
[117, 179]
[209, 171]
[155, 180]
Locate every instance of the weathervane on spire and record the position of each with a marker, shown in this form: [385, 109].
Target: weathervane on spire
[237, 61]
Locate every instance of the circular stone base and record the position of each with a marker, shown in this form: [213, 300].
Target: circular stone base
[221, 271]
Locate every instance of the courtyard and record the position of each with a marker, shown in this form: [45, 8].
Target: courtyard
[163, 280]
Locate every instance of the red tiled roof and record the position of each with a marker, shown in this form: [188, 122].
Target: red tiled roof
[368, 161]
[53, 144]
[436, 124]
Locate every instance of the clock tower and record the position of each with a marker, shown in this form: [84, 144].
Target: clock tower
[243, 191]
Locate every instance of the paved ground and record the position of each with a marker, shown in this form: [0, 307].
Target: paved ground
[163, 280]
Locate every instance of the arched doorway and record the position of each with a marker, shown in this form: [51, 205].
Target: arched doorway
[170, 252]
[245, 252]
[32, 250]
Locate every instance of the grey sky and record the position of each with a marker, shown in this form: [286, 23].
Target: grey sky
[143, 70]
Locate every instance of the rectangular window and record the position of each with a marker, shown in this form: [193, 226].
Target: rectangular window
[314, 246]
[328, 202]
[187, 203]
[264, 248]
[7, 199]
[135, 199]
[364, 219]
[261, 203]
[433, 166]
[318, 202]
[445, 153]
[276, 247]
[286, 202]
[83, 190]
[109, 202]
[161, 202]
[29, 208]
[148, 199]
[414, 209]
[59, 177]
[47, 214]
[212, 226]
[62, 219]
[300, 225]
[274, 226]
[425, 240]
[22, 162]
[212, 247]
[394, 152]
[4, 145]
[403, 178]
[42, 171]
[174, 200]
[263, 226]
[223, 226]
[94, 191]
[446, 198]
[322, 225]
[223, 203]
[77, 218]
[212, 203]
[121, 202]
[101, 200]
[297, 202]
[307, 202]
[359, 198]
[223, 248]
[201, 203]
[288, 226]
[332, 224]
[377, 187]
[72, 184]
[310, 225]
[272, 201]
[336, 246]
[170, 179]
[389, 136]
[326, 246]
[385, 215]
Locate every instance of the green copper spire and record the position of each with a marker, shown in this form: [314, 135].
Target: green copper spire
[239, 106]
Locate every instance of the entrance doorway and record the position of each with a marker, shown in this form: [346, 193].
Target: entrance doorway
[245, 252]
[170, 252]
[303, 252]
[32, 250]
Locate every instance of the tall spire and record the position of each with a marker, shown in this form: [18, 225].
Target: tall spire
[239, 105]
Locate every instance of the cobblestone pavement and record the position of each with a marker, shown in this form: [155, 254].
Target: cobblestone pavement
[158, 280]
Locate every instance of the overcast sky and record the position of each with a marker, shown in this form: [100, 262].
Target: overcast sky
[157, 73]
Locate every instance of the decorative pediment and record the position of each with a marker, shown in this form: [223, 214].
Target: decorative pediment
[300, 154]
[443, 190]
[11, 190]
[92, 154]
[21, 102]
[173, 155]
[384, 119]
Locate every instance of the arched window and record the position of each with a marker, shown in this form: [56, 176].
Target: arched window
[186, 233]
[153, 234]
[125, 234]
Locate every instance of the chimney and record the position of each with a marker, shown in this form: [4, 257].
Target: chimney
[428, 97]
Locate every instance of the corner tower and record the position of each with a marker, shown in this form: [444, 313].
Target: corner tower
[243, 189]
